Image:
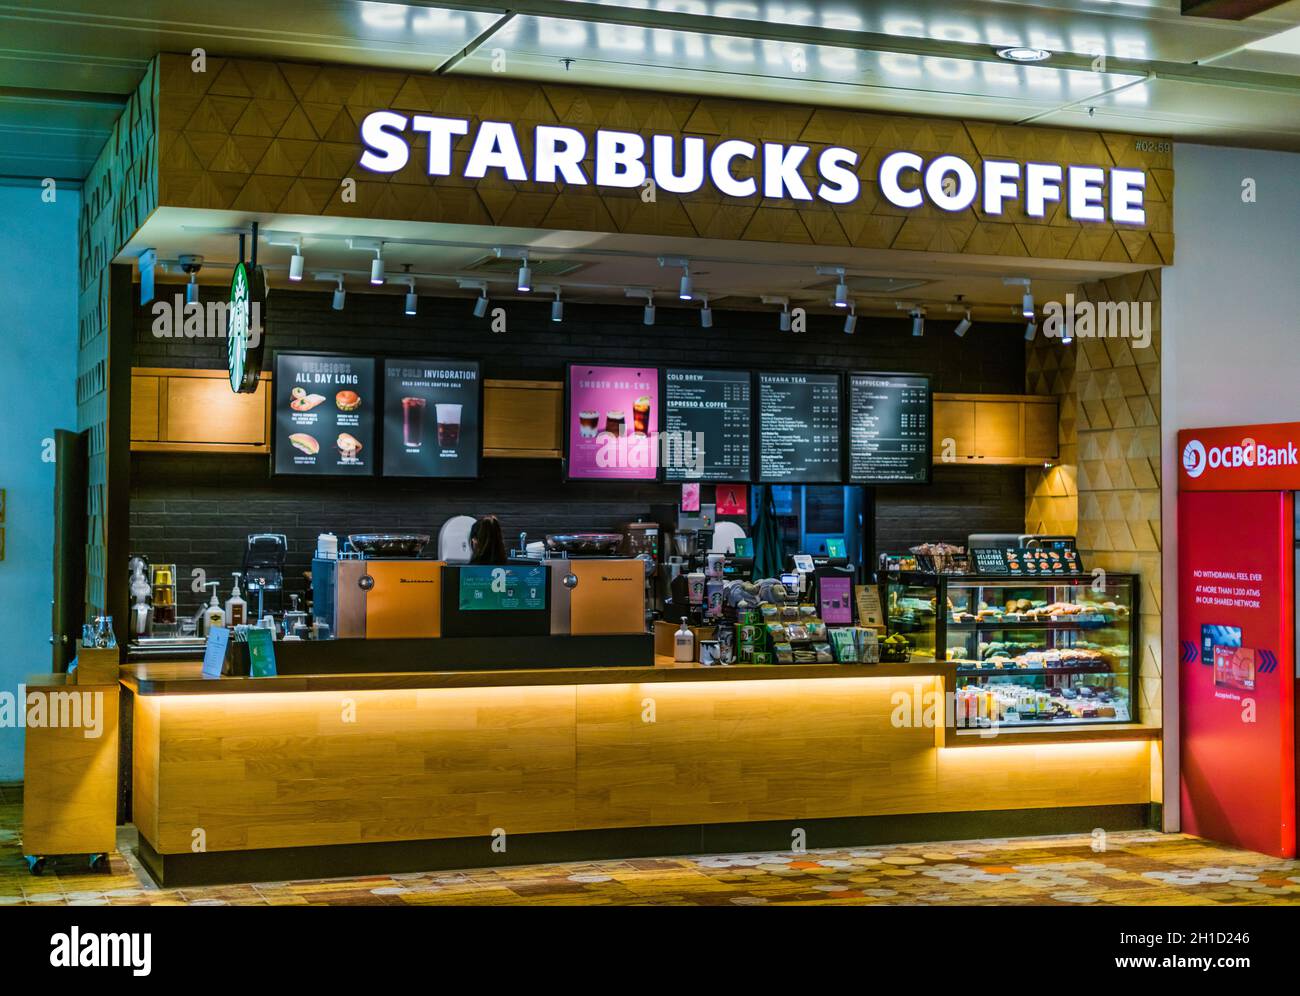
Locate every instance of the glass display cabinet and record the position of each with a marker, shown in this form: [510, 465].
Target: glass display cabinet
[1026, 651]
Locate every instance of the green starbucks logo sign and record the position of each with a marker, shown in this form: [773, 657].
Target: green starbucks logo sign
[243, 343]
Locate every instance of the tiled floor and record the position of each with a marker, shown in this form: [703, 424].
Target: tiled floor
[1134, 869]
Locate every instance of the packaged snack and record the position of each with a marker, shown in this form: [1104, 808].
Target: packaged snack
[783, 653]
[868, 645]
[845, 646]
[816, 630]
[825, 655]
[796, 633]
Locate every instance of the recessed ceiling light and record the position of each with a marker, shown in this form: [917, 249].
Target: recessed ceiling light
[1019, 53]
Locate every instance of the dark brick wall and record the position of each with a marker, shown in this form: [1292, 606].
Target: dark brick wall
[197, 510]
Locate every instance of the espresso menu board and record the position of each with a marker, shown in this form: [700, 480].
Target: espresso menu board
[325, 409]
[799, 428]
[707, 425]
[889, 429]
[432, 421]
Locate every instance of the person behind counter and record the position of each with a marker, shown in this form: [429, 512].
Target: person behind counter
[486, 544]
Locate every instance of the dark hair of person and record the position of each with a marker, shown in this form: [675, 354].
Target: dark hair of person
[485, 543]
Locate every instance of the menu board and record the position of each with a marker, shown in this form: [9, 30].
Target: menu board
[324, 415]
[707, 424]
[612, 423]
[432, 419]
[799, 428]
[889, 429]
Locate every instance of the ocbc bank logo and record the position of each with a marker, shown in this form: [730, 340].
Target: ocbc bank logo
[1194, 458]
[1247, 453]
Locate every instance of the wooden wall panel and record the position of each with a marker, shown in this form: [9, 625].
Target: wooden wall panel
[120, 192]
[1105, 487]
[268, 137]
[290, 769]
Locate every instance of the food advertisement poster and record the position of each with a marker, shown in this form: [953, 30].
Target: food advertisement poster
[613, 427]
[324, 415]
[432, 422]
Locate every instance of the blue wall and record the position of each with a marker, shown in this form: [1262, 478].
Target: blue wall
[38, 288]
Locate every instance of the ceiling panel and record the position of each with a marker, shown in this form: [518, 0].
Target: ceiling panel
[620, 55]
[1130, 29]
[1195, 113]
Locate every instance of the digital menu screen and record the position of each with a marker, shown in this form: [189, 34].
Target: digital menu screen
[613, 423]
[799, 428]
[706, 425]
[889, 429]
[432, 418]
[324, 415]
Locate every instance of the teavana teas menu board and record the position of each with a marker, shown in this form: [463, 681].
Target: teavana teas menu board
[889, 429]
[799, 428]
[325, 410]
[707, 425]
[612, 423]
[432, 421]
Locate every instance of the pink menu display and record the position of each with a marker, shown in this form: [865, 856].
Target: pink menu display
[613, 423]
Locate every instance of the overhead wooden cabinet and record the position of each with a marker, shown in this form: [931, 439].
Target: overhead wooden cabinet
[994, 429]
[195, 411]
[523, 418]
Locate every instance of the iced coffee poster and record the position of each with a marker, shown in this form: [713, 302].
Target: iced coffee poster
[325, 409]
[432, 419]
[613, 423]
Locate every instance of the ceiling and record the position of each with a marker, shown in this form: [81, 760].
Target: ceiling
[1138, 66]
[588, 266]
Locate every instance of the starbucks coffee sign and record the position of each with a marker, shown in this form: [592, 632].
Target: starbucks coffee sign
[244, 343]
[683, 164]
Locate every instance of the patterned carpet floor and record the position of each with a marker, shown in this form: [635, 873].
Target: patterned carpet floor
[1145, 869]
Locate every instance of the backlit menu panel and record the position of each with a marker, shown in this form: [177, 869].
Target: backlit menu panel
[707, 416]
[889, 429]
[324, 415]
[799, 428]
[431, 418]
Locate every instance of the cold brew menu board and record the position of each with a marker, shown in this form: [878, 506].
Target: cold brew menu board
[325, 409]
[612, 423]
[799, 428]
[432, 422]
[889, 429]
[707, 425]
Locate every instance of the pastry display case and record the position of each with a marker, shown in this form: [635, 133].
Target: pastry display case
[1026, 651]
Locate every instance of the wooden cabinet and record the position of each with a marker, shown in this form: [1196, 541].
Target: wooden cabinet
[994, 429]
[523, 418]
[195, 411]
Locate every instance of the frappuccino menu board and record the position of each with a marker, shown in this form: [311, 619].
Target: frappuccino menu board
[431, 418]
[799, 428]
[324, 415]
[707, 425]
[613, 423]
[889, 429]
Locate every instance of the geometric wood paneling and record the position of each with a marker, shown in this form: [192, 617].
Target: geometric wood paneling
[278, 137]
[1106, 488]
[119, 193]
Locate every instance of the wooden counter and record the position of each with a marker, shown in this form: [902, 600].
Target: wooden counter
[186, 677]
[342, 774]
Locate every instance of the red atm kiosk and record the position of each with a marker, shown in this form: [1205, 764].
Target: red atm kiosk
[1236, 631]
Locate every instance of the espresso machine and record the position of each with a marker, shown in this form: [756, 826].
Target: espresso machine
[641, 540]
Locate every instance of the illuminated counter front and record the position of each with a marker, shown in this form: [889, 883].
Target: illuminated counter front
[241, 778]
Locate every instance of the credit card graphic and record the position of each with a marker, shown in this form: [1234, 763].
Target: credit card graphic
[1234, 667]
[1218, 636]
